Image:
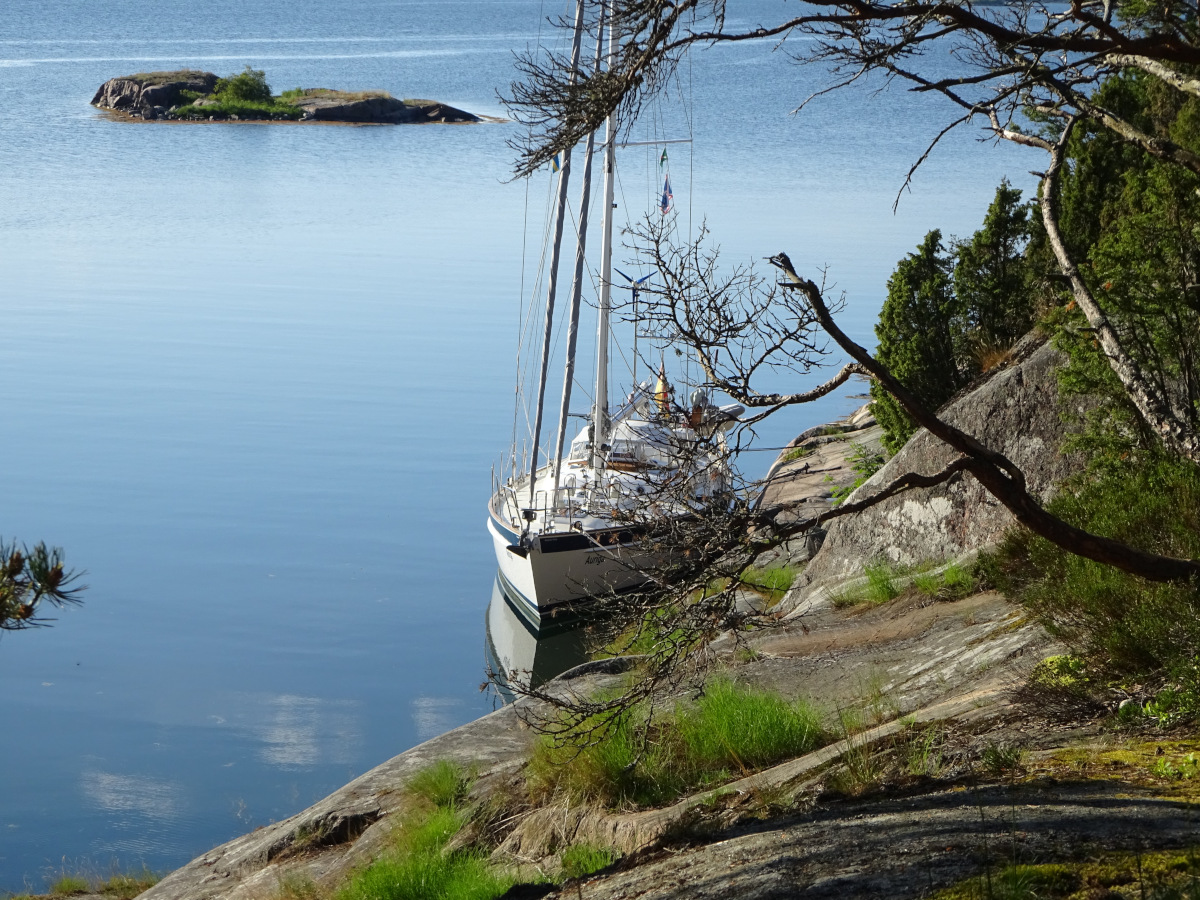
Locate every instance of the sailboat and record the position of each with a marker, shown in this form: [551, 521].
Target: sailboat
[568, 527]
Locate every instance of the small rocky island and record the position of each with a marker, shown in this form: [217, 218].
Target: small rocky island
[188, 95]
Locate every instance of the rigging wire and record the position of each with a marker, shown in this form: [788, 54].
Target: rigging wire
[522, 318]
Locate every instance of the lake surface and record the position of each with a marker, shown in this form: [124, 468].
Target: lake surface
[254, 379]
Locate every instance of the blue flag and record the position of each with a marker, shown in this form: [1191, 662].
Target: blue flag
[555, 165]
[668, 199]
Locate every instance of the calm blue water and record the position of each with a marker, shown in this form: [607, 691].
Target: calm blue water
[254, 379]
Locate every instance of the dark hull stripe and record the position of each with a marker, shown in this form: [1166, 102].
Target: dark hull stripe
[511, 536]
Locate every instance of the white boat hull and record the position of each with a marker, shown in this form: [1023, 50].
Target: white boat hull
[558, 569]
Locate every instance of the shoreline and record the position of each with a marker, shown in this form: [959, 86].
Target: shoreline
[114, 115]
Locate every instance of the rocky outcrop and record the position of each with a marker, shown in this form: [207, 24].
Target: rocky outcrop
[1016, 411]
[967, 653]
[157, 95]
[379, 108]
[151, 95]
[929, 684]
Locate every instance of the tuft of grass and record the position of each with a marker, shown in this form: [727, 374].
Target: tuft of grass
[69, 883]
[1002, 759]
[989, 357]
[419, 869]
[881, 584]
[772, 582]
[127, 885]
[886, 581]
[957, 581]
[864, 462]
[629, 758]
[737, 726]
[581, 860]
[861, 768]
[418, 865]
[952, 583]
[879, 588]
[610, 761]
[924, 752]
[797, 453]
[444, 784]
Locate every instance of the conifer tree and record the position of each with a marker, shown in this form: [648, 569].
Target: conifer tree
[990, 285]
[915, 338]
[28, 578]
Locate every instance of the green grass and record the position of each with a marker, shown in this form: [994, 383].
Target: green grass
[442, 784]
[1002, 759]
[418, 869]
[343, 96]
[884, 583]
[243, 109]
[737, 727]
[879, 588]
[952, 583]
[418, 866]
[797, 453]
[634, 760]
[924, 751]
[1170, 875]
[581, 860]
[772, 582]
[67, 884]
[117, 886]
[127, 885]
[881, 585]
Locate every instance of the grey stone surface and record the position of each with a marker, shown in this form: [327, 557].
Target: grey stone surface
[349, 826]
[379, 109]
[152, 95]
[1015, 411]
[806, 483]
[946, 662]
[904, 846]
[139, 96]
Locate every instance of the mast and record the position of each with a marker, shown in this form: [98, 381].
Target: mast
[577, 280]
[552, 281]
[600, 423]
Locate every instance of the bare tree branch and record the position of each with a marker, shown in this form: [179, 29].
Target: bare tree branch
[1156, 68]
[999, 475]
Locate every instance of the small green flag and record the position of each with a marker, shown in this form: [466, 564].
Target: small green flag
[662, 160]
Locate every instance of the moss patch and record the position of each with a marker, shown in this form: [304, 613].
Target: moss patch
[1153, 876]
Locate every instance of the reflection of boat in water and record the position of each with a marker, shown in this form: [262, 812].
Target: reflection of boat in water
[522, 653]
